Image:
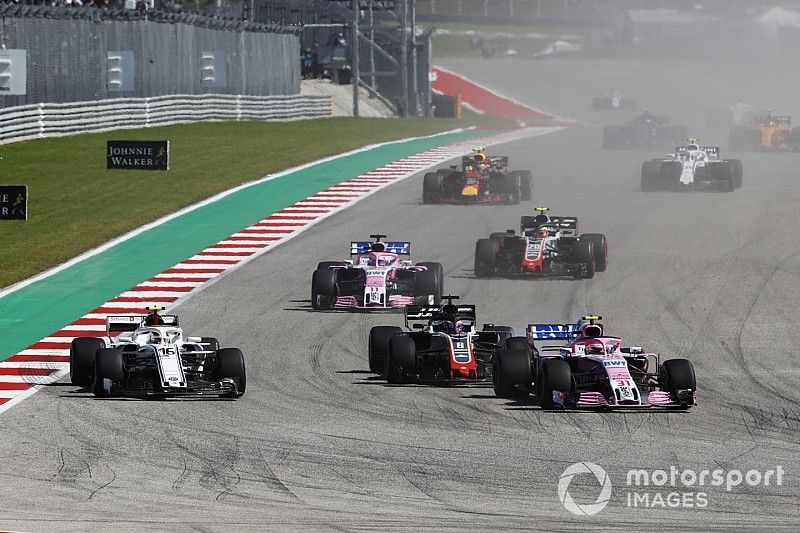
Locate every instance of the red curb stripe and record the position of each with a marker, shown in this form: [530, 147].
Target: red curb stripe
[209, 262]
[27, 371]
[15, 386]
[49, 345]
[194, 270]
[140, 288]
[235, 245]
[223, 254]
[199, 280]
[39, 358]
[144, 300]
[78, 333]
[253, 238]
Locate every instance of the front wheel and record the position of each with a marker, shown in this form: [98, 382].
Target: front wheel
[230, 365]
[555, 375]
[323, 289]
[600, 248]
[81, 359]
[486, 257]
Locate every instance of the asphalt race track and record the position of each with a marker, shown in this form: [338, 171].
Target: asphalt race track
[319, 443]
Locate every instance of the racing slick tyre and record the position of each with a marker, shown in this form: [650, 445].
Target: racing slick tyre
[210, 343]
[511, 368]
[677, 374]
[511, 184]
[555, 376]
[650, 170]
[600, 246]
[427, 283]
[432, 187]
[518, 343]
[583, 253]
[328, 264]
[81, 359]
[230, 365]
[323, 289]
[401, 359]
[108, 370]
[525, 184]
[726, 176]
[439, 270]
[486, 257]
[379, 337]
[737, 171]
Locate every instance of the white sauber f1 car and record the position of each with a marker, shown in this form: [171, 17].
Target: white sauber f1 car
[692, 167]
[149, 356]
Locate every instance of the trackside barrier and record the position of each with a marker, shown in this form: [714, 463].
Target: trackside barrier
[36, 121]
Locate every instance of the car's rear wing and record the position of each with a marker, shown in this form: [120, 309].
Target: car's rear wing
[552, 331]
[713, 151]
[365, 247]
[426, 312]
[567, 226]
[126, 323]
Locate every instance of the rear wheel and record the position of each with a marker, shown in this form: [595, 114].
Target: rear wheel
[583, 253]
[323, 289]
[512, 186]
[230, 365]
[600, 247]
[726, 176]
[511, 369]
[555, 375]
[432, 187]
[379, 337]
[108, 371]
[401, 359]
[738, 172]
[518, 343]
[525, 184]
[81, 359]
[486, 257]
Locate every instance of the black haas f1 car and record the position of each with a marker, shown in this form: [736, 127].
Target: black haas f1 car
[149, 356]
[546, 245]
[482, 180]
[644, 132]
[613, 101]
[376, 278]
[771, 133]
[692, 167]
[591, 370]
[447, 348]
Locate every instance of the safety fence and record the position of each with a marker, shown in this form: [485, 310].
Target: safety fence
[35, 121]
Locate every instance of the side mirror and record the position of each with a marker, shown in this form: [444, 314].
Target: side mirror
[194, 339]
[634, 350]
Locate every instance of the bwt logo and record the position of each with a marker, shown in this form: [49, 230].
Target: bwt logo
[588, 509]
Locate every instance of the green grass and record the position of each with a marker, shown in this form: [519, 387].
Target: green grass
[75, 204]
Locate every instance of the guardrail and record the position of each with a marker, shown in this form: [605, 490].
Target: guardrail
[36, 121]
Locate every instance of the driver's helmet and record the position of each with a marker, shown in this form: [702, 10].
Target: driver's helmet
[543, 232]
[594, 349]
[156, 338]
[453, 327]
[382, 262]
[153, 319]
[693, 147]
[542, 219]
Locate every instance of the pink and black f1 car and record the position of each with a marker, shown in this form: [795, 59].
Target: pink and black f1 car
[376, 278]
[482, 180]
[546, 245]
[590, 370]
[446, 348]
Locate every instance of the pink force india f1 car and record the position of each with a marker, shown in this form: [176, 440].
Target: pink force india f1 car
[592, 370]
[376, 278]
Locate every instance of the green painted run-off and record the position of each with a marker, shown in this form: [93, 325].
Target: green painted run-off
[45, 306]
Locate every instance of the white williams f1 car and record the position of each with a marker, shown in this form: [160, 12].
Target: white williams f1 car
[149, 356]
[692, 167]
